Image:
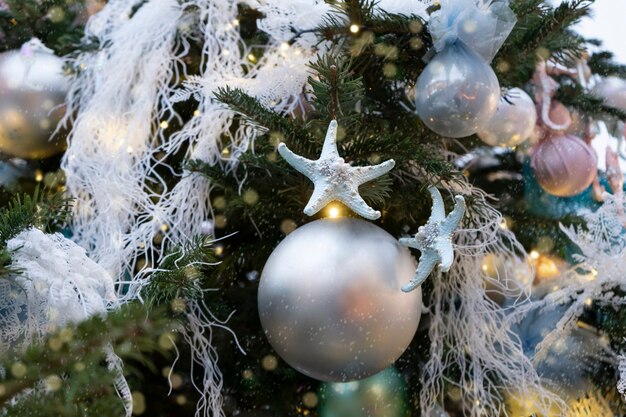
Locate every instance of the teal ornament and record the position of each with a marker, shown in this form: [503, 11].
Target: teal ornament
[381, 395]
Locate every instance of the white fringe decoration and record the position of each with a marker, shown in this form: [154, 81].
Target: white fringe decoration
[472, 335]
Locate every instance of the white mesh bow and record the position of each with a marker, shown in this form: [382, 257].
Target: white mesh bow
[482, 25]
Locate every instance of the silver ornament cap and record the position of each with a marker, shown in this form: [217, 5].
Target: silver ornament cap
[330, 299]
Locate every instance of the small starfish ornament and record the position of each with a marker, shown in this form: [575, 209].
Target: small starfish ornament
[434, 239]
[333, 178]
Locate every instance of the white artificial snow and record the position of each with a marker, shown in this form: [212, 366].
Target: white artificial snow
[599, 272]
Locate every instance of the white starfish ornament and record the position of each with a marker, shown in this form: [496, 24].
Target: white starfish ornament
[333, 178]
[434, 239]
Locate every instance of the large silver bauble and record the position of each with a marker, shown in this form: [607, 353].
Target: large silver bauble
[457, 92]
[31, 90]
[330, 300]
[513, 122]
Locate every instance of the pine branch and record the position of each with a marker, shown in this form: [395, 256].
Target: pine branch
[46, 213]
[180, 274]
[264, 119]
[78, 353]
[575, 96]
[601, 63]
[541, 32]
[337, 89]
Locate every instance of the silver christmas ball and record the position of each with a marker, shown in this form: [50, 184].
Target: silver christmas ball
[330, 300]
[32, 86]
[513, 121]
[457, 92]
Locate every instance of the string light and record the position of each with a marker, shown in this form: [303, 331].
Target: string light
[354, 28]
[164, 124]
[333, 211]
[38, 175]
[534, 255]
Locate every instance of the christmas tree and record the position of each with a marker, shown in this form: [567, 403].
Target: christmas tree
[310, 208]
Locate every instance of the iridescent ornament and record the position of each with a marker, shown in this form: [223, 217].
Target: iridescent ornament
[457, 92]
[513, 121]
[381, 395]
[330, 299]
[566, 366]
[32, 91]
[564, 165]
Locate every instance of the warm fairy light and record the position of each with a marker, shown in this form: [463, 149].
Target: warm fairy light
[503, 224]
[284, 46]
[38, 175]
[235, 22]
[588, 302]
[196, 112]
[251, 57]
[164, 228]
[164, 124]
[269, 362]
[333, 211]
[546, 267]
[354, 28]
